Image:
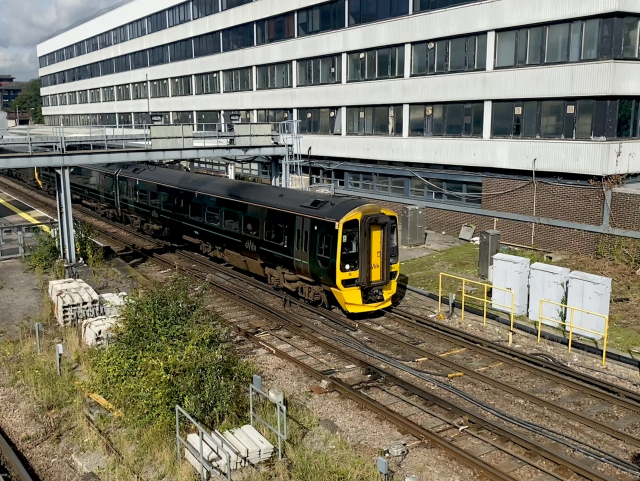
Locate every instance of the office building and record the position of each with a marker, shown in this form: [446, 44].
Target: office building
[508, 114]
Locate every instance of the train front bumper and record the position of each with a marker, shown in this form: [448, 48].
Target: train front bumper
[351, 299]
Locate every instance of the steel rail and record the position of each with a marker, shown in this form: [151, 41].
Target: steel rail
[607, 391]
[505, 387]
[16, 468]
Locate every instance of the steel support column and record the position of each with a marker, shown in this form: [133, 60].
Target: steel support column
[275, 172]
[65, 215]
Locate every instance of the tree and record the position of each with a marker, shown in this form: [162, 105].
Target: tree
[29, 99]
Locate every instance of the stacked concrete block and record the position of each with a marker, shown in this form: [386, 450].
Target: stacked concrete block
[243, 446]
[111, 304]
[73, 300]
[96, 331]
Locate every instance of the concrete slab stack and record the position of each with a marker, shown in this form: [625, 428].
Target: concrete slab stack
[73, 301]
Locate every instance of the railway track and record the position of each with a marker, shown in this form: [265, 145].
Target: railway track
[426, 378]
[11, 465]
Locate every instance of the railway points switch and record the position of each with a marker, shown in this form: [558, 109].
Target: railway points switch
[547, 282]
[511, 272]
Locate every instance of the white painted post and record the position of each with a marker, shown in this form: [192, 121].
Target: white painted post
[344, 68]
[343, 114]
[254, 73]
[488, 118]
[294, 74]
[231, 170]
[407, 60]
[405, 120]
[491, 49]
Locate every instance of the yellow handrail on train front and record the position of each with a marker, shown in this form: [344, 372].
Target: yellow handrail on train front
[485, 301]
[571, 326]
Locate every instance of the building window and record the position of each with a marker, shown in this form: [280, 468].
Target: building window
[53, 100]
[181, 50]
[320, 71]
[277, 76]
[105, 39]
[159, 88]
[227, 4]
[92, 44]
[123, 92]
[274, 115]
[427, 5]
[139, 91]
[580, 40]
[318, 121]
[321, 18]
[122, 64]
[582, 119]
[83, 97]
[236, 38]
[181, 118]
[208, 44]
[365, 11]
[158, 55]
[207, 83]
[157, 21]
[124, 119]
[238, 80]
[108, 94]
[208, 121]
[94, 96]
[181, 86]
[453, 55]
[107, 67]
[139, 60]
[179, 14]
[381, 63]
[120, 34]
[238, 117]
[69, 52]
[81, 48]
[454, 120]
[275, 29]
[138, 28]
[204, 8]
[73, 98]
[375, 120]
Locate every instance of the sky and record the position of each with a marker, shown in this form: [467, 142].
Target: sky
[24, 22]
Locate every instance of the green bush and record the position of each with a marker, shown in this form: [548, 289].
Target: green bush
[44, 256]
[86, 248]
[170, 350]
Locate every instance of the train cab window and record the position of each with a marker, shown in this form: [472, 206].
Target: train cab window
[251, 226]
[393, 242]
[274, 232]
[231, 220]
[196, 211]
[212, 215]
[349, 250]
[325, 242]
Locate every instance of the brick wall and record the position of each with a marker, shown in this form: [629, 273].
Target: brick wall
[575, 204]
[625, 210]
[584, 205]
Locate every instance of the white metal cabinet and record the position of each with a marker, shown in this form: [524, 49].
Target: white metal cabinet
[511, 272]
[550, 283]
[591, 293]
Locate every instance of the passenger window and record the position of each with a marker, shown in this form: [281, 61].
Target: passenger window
[274, 232]
[231, 220]
[393, 242]
[306, 241]
[251, 226]
[153, 197]
[324, 250]
[143, 196]
[212, 215]
[195, 211]
[349, 251]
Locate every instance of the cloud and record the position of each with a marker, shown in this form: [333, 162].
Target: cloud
[24, 23]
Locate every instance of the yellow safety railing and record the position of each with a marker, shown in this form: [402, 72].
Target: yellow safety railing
[485, 301]
[571, 326]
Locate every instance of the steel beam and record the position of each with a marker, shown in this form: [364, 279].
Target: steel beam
[65, 215]
[84, 157]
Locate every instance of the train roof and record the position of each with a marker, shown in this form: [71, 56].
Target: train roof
[310, 204]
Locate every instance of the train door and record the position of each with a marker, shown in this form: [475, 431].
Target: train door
[302, 245]
[374, 259]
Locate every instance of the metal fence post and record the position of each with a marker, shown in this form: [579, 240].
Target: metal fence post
[464, 294]
[38, 329]
[59, 352]
[440, 295]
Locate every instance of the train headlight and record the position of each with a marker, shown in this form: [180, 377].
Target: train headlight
[347, 267]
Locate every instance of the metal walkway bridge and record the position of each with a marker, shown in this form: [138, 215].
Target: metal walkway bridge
[66, 147]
